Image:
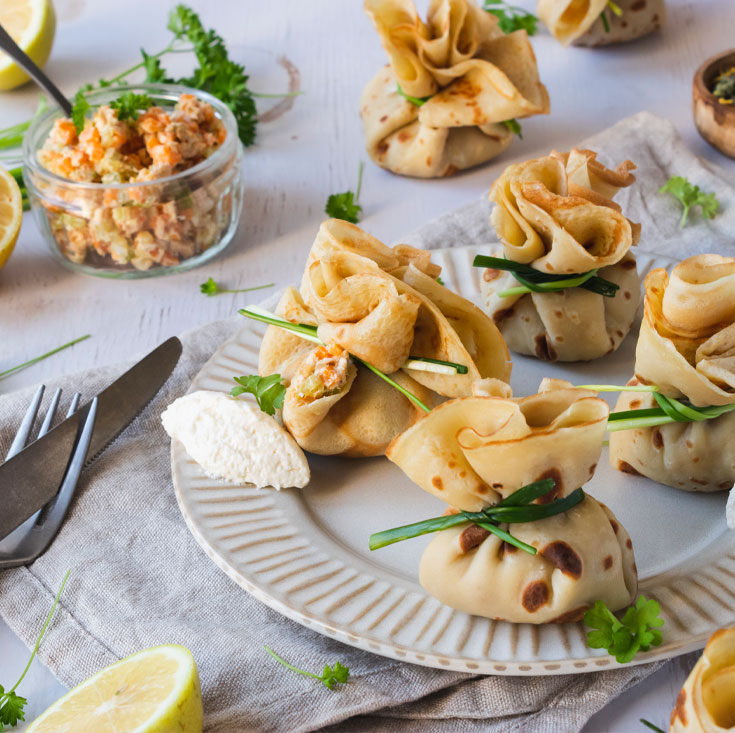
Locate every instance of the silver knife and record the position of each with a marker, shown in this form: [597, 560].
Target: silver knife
[31, 478]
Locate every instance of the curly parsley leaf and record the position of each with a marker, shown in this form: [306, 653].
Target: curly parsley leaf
[269, 392]
[154, 72]
[638, 629]
[344, 205]
[514, 126]
[330, 677]
[690, 195]
[79, 110]
[511, 17]
[128, 105]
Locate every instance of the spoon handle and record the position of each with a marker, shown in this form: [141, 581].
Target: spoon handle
[10, 47]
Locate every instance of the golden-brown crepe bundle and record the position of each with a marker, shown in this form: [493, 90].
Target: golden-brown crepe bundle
[687, 348]
[706, 703]
[474, 451]
[580, 22]
[477, 78]
[583, 555]
[556, 214]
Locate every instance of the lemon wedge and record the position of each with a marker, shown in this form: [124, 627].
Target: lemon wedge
[11, 213]
[154, 691]
[32, 25]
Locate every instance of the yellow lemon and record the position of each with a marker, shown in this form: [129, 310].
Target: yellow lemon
[11, 213]
[32, 25]
[154, 691]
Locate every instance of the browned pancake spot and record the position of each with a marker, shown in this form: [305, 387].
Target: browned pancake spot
[607, 562]
[699, 481]
[501, 315]
[629, 544]
[570, 617]
[592, 469]
[491, 274]
[450, 171]
[437, 483]
[625, 467]
[535, 595]
[383, 118]
[614, 525]
[544, 350]
[627, 295]
[471, 537]
[635, 404]
[657, 438]
[382, 149]
[555, 475]
[563, 557]
[638, 5]
[679, 710]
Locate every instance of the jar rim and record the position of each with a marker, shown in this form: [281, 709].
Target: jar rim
[220, 156]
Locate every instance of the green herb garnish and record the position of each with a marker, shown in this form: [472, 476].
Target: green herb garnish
[128, 105]
[331, 676]
[418, 101]
[35, 360]
[11, 705]
[17, 174]
[650, 725]
[605, 22]
[540, 282]
[440, 281]
[724, 88]
[690, 195]
[515, 509]
[269, 392]
[514, 126]
[638, 630]
[79, 110]
[12, 136]
[344, 205]
[511, 17]
[212, 288]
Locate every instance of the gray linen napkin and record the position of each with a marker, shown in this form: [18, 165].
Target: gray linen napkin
[139, 579]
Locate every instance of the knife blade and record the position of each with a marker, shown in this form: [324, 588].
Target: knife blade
[32, 477]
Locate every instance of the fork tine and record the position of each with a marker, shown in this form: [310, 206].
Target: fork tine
[46, 426]
[26, 424]
[74, 404]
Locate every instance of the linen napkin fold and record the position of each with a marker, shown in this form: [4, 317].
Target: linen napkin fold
[138, 578]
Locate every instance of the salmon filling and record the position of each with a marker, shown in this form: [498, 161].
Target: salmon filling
[324, 374]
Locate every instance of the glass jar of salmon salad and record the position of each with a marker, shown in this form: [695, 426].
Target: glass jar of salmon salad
[136, 194]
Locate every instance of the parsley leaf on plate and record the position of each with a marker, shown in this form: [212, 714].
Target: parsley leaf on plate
[511, 17]
[638, 629]
[344, 205]
[212, 288]
[690, 195]
[269, 392]
[129, 104]
[79, 110]
[330, 677]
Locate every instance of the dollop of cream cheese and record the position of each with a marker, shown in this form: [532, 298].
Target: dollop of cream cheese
[730, 509]
[234, 440]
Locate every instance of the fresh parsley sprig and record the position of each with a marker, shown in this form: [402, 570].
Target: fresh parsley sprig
[344, 205]
[535, 281]
[511, 17]
[11, 704]
[515, 509]
[417, 101]
[269, 392]
[690, 195]
[638, 629]
[330, 677]
[36, 359]
[129, 105]
[212, 288]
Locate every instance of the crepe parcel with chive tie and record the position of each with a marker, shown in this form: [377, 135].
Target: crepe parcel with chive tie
[556, 215]
[580, 22]
[466, 78]
[474, 451]
[706, 702]
[686, 348]
[583, 555]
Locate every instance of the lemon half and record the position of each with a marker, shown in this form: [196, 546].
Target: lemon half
[31, 24]
[154, 691]
[11, 213]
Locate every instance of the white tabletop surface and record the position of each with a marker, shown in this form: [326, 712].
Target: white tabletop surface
[300, 158]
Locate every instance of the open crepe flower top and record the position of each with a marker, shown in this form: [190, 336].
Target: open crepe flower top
[451, 83]
[581, 22]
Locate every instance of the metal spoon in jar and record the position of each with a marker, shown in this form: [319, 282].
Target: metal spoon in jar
[10, 47]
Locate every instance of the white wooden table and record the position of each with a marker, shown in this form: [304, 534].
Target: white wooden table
[302, 157]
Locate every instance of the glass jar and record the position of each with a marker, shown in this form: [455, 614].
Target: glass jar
[138, 229]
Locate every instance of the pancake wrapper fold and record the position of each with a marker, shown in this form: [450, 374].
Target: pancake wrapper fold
[474, 451]
[579, 22]
[686, 347]
[556, 214]
[476, 76]
[381, 304]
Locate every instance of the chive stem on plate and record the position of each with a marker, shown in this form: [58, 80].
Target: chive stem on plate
[36, 359]
[617, 388]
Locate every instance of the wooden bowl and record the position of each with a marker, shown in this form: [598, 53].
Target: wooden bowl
[715, 121]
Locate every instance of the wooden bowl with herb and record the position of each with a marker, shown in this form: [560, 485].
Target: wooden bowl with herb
[713, 101]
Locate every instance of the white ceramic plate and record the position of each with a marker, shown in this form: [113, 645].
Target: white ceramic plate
[305, 552]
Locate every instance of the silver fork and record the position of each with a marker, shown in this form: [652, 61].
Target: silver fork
[25, 543]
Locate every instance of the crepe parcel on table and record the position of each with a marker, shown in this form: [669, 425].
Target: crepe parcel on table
[686, 348]
[381, 305]
[581, 22]
[460, 77]
[474, 451]
[556, 215]
[706, 702]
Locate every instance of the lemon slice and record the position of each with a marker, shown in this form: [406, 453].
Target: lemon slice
[154, 691]
[11, 213]
[32, 24]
